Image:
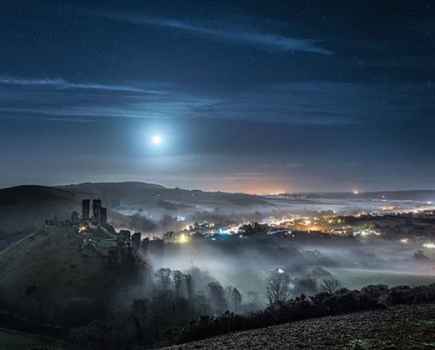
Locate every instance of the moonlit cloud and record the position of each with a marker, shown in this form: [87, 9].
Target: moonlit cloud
[247, 93]
[252, 38]
[169, 101]
[309, 103]
[64, 84]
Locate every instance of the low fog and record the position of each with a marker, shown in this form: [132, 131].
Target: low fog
[247, 262]
[175, 268]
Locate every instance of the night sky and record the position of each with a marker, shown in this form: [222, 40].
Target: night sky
[253, 96]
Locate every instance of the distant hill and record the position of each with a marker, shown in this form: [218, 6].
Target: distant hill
[27, 207]
[34, 195]
[416, 195]
[150, 195]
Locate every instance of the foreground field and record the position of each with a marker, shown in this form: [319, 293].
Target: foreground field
[401, 327]
[13, 340]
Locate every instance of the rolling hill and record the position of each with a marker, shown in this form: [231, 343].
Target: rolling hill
[399, 327]
[154, 196]
[54, 276]
[27, 207]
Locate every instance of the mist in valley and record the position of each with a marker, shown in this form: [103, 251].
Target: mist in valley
[247, 265]
[201, 261]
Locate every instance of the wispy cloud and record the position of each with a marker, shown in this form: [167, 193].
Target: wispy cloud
[170, 102]
[312, 103]
[64, 84]
[247, 37]
[29, 114]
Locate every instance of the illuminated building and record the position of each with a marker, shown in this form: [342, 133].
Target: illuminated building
[183, 239]
[429, 245]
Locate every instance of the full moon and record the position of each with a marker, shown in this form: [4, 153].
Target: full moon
[156, 140]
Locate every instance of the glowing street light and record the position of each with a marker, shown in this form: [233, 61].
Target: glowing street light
[183, 239]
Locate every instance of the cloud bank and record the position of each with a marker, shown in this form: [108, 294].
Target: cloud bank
[252, 38]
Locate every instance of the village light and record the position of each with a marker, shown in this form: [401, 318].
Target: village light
[429, 245]
[183, 239]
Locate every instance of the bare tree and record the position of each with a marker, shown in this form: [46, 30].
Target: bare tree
[234, 298]
[278, 287]
[163, 278]
[330, 285]
[217, 297]
[189, 286]
[178, 278]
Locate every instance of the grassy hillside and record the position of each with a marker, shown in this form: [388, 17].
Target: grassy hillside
[150, 195]
[26, 207]
[50, 276]
[13, 340]
[400, 327]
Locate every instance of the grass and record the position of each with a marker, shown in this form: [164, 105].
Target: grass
[359, 344]
[13, 340]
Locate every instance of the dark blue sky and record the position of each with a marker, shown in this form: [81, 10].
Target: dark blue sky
[257, 96]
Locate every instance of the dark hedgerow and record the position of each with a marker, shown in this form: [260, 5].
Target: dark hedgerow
[323, 304]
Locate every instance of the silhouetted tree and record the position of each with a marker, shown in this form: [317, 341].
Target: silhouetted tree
[278, 287]
[217, 297]
[179, 278]
[189, 286]
[163, 279]
[330, 285]
[140, 316]
[236, 300]
[305, 285]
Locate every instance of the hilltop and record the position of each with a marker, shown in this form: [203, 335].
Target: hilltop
[26, 207]
[147, 195]
[58, 275]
